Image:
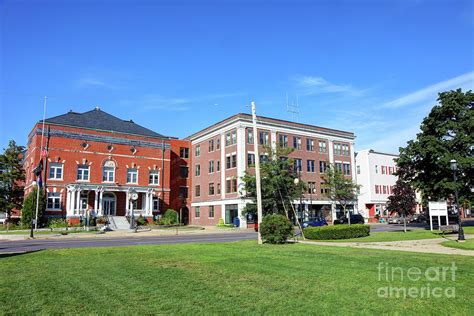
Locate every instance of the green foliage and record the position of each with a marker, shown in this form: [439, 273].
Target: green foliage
[101, 220]
[29, 208]
[141, 221]
[222, 224]
[170, 218]
[446, 133]
[277, 184]
[276, 229]
[403, 199]
[12, 177]
[57, 223]
[339, 188]
[337, 232]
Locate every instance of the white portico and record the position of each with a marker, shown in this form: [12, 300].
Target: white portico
[111, 200]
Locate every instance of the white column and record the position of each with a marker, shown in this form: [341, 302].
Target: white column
[96, 200]
[331, 151]
[79, 201]
[68, 195]
[101, 196]
[127, 202]
[273, 141]
[241, 157]
[223, 167]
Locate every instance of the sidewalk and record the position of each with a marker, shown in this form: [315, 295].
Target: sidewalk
[423, 245]
[127, 233]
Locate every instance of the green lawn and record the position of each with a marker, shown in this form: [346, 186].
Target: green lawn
[467, 245]
[227, 278]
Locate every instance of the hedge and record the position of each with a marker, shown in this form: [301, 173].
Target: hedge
[337, 232]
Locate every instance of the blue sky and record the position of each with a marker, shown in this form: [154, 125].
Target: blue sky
[371, 67]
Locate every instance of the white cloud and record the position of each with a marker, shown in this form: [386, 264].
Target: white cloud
[93, 82]
[465, 81]
[316, 85]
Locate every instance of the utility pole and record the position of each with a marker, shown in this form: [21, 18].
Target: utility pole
[41, 158]
[257, 172]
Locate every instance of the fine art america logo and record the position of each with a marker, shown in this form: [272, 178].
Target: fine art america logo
[433, 281]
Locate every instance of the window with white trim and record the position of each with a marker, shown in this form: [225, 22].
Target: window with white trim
[322, 146]
[197, 170]
[154, 177]
[309, 144]
[108, 172]
[82, 173]
[310, 166]
[211, 211]
[197, 212]
[55, 171]
[211, 166]
[198, 151]
[54, 201]
[132, 175]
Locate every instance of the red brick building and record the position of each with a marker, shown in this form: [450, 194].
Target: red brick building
[96, 160]
[224, 151]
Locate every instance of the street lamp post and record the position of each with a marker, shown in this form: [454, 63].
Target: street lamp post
[297, 181]
[454, 168]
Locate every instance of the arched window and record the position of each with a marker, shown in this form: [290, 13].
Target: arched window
[108, 171]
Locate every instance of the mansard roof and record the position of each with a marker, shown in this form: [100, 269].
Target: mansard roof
[97, 119]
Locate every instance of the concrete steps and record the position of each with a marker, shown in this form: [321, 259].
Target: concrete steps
[118, 223]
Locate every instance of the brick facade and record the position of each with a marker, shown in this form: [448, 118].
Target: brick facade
[140, 163]
[235, 147]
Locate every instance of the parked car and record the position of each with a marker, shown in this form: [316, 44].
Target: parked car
[355, 219]
[395, 220]
[315, 223]
[419, 218]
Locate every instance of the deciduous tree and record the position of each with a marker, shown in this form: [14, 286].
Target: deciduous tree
[402, 201]
[339, 188]
[12, 177]
[446, 133]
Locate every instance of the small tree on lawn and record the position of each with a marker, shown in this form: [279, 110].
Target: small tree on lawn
[402, 201]
[28, 213]
[339, 188]
[12, 177]
[277, 184]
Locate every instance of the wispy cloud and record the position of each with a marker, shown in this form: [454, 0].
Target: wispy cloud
[150, 102]
[309, 85]
[157, 102]
[89, 81]
[465, 81]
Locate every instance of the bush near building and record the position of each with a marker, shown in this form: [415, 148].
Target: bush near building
[276, 229]
[337, 232]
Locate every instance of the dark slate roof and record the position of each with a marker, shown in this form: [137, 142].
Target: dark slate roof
[99, 120]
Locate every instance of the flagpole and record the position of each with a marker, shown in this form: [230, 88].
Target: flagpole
[41, 157]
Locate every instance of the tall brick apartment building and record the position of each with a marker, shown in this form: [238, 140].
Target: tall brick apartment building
[223, 151]
[95, 160]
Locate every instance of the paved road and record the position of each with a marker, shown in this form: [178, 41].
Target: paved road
[34, 245]
[395, 227]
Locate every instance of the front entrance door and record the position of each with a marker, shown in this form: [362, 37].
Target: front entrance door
[231, 212]
[109, 204]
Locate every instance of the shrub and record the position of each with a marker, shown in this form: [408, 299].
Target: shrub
[141, 221]
[28, 211]
[101, 220]
[57, 223]
[170, 217]
[337, 232]
[276, 229]
[223, 224]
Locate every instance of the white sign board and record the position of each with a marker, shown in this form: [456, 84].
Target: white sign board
[438, 208]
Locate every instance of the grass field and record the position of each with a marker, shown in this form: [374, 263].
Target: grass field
[227, 278]
[467, 245]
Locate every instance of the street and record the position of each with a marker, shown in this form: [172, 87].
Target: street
[19, 246]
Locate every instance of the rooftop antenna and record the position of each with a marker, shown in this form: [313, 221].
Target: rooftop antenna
[293, 108]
